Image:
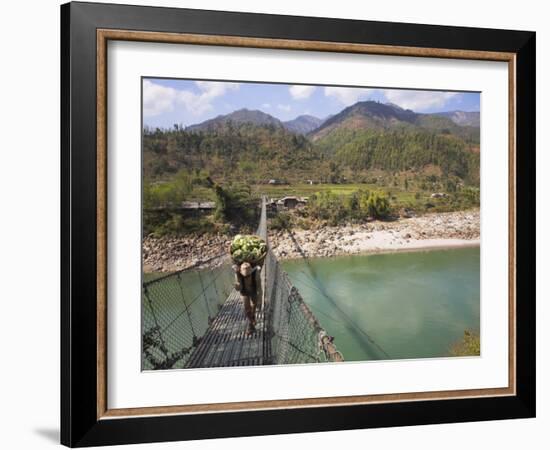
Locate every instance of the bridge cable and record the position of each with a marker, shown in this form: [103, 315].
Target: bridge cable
[322, 290]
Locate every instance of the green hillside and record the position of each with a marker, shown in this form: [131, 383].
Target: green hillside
[243, 152]
[401, 150]
[376, 152]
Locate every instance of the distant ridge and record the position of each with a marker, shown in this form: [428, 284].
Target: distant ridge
[462, 118]
[303, 124]
[372, 115]
[241, 116]
[361, 115]
[366, 115]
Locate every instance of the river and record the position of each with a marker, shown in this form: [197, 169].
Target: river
[394, 305]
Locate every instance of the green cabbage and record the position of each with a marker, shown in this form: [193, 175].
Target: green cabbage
[248, 248]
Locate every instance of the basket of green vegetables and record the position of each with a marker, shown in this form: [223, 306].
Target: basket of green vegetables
[248, 248]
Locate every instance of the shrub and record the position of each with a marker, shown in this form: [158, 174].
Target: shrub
[359, 205]
[378, 205]
[235, 204]
[470, 345]
[281, 221]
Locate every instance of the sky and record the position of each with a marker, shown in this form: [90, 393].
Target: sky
[186, 102]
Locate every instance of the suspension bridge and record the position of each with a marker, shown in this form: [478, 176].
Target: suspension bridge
[195, 318]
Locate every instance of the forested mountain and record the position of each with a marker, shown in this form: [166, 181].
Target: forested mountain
[402, 149]
[230, 151]
[254, 147]
[239, 117]
[303, 124]
[365, 115]
[371, 115]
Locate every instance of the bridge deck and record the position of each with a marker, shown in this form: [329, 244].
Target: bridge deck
[225, 343]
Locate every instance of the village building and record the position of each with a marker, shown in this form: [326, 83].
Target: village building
[198, 206]
[291, 202]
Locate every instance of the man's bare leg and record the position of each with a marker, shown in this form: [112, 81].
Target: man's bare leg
[254, 304]
[249, 311]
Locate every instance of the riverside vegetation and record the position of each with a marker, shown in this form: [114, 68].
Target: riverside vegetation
[470, 345]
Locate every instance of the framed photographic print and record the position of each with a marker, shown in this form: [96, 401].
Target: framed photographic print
[276, 224]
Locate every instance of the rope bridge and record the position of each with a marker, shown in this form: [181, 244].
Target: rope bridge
[195, 318]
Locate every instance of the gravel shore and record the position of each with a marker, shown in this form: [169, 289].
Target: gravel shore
[442, 230]
[438, 230]
[168, 254]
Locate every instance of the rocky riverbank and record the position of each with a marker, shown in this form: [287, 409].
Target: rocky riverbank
[441, 230]
[168, 254]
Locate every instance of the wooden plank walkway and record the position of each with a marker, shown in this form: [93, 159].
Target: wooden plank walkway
[226, 344]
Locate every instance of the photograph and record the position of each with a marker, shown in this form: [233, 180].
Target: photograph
[299, 224]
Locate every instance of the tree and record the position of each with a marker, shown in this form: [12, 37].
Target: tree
[221, 202]
[182, 185]
[450, 185]
[468, 346]
[377, 205]
[235, 203]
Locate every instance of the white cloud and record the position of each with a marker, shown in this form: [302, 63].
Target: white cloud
[159, 99]
[301, 92]
[418, 100]
[266, 105]
[415, 100]
[284, 107]
[200, 103]
[348, 96]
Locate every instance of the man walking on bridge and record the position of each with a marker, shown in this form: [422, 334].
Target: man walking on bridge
[247, 283]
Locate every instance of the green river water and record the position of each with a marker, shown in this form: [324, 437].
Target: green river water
[393, 306]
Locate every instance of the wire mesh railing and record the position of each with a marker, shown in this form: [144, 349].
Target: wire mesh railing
[292, 332]
[178, 309]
